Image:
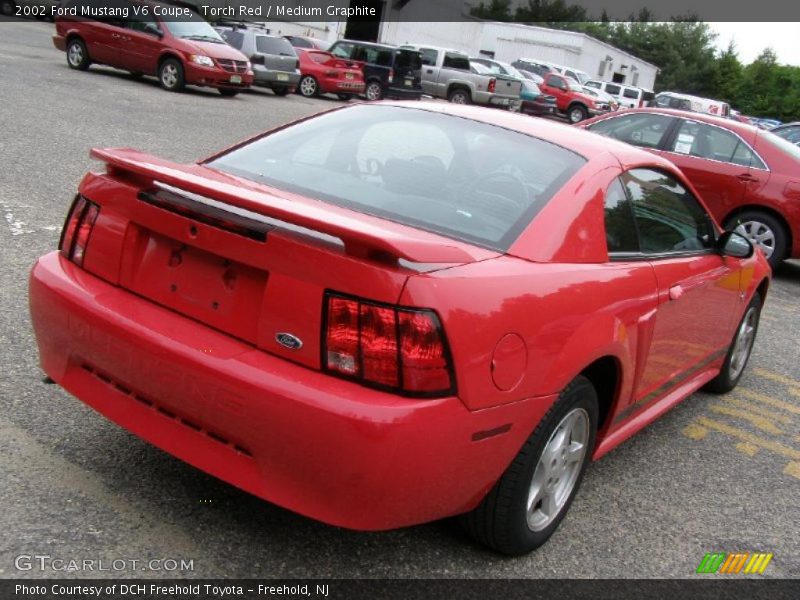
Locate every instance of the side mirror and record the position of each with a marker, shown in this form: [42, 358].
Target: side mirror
[153, 29]
[734, 244]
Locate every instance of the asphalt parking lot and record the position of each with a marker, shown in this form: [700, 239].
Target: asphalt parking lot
[717, 473]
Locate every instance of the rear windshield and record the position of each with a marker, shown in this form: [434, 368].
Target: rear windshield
[460, 178]
[274, 45]
[407, 59]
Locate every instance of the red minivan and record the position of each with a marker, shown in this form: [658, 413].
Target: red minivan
[185, 50]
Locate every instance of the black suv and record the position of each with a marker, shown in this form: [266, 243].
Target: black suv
[389, 72]
[273, 59]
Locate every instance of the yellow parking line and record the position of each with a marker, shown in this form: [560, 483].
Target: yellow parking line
[793, 469]
[787, 406]
[766, 374]
[762, 423]
[776, 447]
[747, 448]
[743, 404]
[693, 431]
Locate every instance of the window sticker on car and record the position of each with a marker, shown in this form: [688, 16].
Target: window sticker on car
[683, 145]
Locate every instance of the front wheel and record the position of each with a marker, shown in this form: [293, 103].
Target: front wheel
[171, 76]
[764, 231]
[308, 87]
[526, 505]
[739, 351]
[577, 114]
[77, 55]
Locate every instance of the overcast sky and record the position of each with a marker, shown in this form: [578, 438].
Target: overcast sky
[752, 38]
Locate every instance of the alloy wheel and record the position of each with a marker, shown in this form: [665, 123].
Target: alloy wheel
[308, 87]
[75, 54]
[169, 75]
[373, 91]
[743, 344]
[759, 235]
[558, 469]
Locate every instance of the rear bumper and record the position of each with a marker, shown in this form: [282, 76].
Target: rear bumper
[317, 445]
[534, 107]
[270, 78]
[340, 86]
[403, 93]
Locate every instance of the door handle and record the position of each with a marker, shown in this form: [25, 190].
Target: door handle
[746, 177]
[675, 292]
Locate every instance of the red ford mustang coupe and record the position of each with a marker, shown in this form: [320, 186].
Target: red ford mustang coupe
[391, 313]
[323, 73]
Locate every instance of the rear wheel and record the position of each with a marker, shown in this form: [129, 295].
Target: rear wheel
[764, 231]
[373, 91]
[77, 55]
[227, 92]
[531, 498]
[739, 351]
[308, 87]
[171, 76]
[459, 96]
[577, 113]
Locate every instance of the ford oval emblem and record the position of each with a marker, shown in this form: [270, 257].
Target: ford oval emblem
[292, 342]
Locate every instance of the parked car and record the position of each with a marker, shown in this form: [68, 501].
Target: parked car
[389, 72]
[747, 177]
[446, 74]
[531, 76]
[789, 132]
[273, 59]
[692, 103]
[571, 99]
[767, 123]
[299, 41]
[458, 310]
[323, 73]
[498, 67]
[534, 66]
[534, 102]
[601, 96]
[179, 53]
[580, 76]
[627, 95]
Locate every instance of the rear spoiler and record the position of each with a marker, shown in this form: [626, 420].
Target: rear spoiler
[358, 232]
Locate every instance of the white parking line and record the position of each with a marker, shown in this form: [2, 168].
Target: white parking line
[18, 227]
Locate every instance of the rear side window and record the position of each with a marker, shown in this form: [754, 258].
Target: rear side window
[460, 178]
[620, 227]
[639, 129]
[613, 89]
[714, 143]
[632, 94]
[669, 219]
[274, 45]
[455, 61]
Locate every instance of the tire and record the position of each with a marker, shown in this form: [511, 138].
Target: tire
[281, 91]
[577, 113]
[77, 55]
[503, 520]
[8, 8]
[308, 87]
[764, 231]
[739, 351]
[459, 96]
[171, 75]
[373, 91]
[227, 92]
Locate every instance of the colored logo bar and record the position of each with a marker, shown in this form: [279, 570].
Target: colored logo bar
[734, 562]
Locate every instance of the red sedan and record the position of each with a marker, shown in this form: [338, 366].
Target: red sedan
[179, 51]
[748, 177]
[324, 73]
[392, 313]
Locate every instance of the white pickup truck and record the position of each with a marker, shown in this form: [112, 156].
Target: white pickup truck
[446, 74]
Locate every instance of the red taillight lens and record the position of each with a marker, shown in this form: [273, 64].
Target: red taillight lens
[386, 346]
[492, 85]
[78, 229]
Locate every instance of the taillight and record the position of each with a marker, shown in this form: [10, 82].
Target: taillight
[394, 348]
[492, 85]
[78, 229]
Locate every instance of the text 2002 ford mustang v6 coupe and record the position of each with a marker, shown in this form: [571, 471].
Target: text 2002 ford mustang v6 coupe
[388, 314]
